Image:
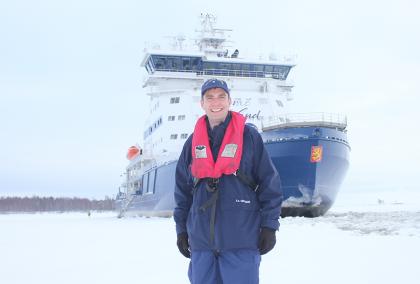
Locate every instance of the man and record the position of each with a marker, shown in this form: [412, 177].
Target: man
[227, 195]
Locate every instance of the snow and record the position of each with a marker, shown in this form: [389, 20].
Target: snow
[365, 238]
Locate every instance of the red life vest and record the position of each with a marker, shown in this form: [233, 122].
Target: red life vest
[230, 153]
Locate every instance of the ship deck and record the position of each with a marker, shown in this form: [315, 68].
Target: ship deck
[320, 119]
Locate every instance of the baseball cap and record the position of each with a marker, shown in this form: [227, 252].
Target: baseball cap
[214, 83]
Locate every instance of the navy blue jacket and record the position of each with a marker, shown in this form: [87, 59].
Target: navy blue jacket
[240, 212]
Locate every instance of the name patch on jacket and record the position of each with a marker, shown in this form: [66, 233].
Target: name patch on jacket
[229, 151]
[200, 152]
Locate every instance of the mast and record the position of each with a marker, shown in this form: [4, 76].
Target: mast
[212, 40]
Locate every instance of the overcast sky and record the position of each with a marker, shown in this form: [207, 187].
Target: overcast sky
[71, 100]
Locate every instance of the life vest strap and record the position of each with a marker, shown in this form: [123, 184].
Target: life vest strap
[241, 176]
[246, 180]
[211, 203]
[195, 182]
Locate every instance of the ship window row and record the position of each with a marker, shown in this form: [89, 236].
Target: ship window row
[246, 70]
[172, 117]
[172, 63]
[182, 136]
[152, 128]
[200, 67]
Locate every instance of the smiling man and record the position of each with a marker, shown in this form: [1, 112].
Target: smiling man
[216, 103]
[227, 194]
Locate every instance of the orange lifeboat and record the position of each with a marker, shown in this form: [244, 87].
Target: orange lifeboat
[133, 152]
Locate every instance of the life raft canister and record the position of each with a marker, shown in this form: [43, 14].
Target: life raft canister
[133, 152]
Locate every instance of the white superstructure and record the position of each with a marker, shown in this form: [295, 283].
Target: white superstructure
[259, 90]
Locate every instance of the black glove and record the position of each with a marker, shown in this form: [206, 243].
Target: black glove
[267, 240]
[183, 246]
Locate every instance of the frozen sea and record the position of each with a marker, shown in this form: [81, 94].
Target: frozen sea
[365, 238]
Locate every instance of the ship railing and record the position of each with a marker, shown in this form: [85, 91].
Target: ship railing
[177, 70]
[227, 72]
[321, 119]
[242, 73]
[125, 206]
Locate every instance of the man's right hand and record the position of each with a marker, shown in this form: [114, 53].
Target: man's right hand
[183, 246]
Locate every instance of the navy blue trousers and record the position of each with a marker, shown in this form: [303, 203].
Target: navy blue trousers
[237, 266]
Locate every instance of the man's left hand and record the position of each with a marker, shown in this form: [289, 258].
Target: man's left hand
[267, 240]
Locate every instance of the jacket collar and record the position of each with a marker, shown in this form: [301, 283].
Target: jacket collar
[216, 134]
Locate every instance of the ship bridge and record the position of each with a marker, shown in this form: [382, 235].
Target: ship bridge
[201, 65]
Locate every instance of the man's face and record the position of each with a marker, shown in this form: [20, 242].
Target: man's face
[216, 103]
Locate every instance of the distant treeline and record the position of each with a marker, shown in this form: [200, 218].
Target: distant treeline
[44, 204]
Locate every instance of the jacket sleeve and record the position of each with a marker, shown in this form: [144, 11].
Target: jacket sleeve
[269, 192]
[183, 188]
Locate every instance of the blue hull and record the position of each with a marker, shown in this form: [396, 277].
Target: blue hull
[309, 187]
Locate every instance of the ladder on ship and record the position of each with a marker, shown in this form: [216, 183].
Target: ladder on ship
[125, 207]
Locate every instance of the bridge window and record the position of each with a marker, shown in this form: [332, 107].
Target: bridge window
[184, 136]
[171, 118]
[174, 63]
[195, 62]
[160, 62]
[174, 136]
[268, 68]
[181, 117]
[259, 68]
[236, 66]
[169, 63]
[209, 65]
[177, 63]
[226, 66]
[186, 64]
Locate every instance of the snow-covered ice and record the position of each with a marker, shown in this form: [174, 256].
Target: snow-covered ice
[364, 238]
